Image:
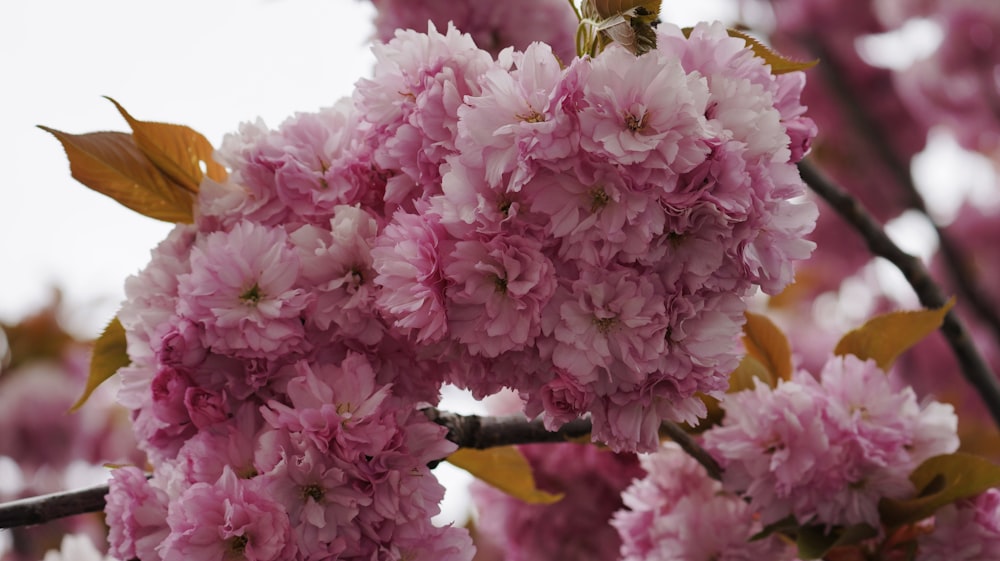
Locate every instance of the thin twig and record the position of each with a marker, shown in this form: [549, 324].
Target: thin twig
[693, 449]
[974, 367]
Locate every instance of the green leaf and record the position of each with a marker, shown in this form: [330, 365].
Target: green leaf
[941, 480]
[176, 150]
[779, 64]
[766, 343]
[814, 541]
[506, 469]
[885, 337]
[109, 355]
[111, 163]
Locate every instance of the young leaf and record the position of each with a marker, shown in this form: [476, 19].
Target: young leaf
[506, 469]
[779, 64]
[941, 480]
[885, 337]
[109, 355]
[176, 150]
[112, 164]
[766, 343]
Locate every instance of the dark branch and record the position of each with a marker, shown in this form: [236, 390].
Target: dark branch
[879, 142]
[473, 431]
[974, 367]
[468, 431]
[37, 510]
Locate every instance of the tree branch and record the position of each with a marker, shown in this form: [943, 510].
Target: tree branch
[468, 431]
[878, 141]
[37, 510]
[974, 367]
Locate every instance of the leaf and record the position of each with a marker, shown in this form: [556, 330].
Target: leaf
[176, 150]
[765, 342]
[109, 355]
[506, 469]
[941, 480]
[885, 337]
[779, 64]
[112, 164]
[815, 540]
[607, 9]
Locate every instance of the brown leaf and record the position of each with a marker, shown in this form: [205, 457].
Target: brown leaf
[885, 337]
[607, 9]
[109, 355]
[176, 150]
[765, 342]
[112, 164]
[506, 469]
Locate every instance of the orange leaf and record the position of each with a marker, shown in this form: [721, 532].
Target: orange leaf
[176, 150]
[885, 337]
[506, 469]
[108, 356]
[112, 164]
[766, 343]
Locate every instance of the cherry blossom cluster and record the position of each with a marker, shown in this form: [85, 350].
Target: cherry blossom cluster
[677, 512]
[584, 233]
[827, 450]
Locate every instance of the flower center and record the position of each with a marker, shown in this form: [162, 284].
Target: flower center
[237, 547]
[252, 295]
[598, 199]
[605, 325]
[636, 124]
[313, 491]
[500, 284]
[532, 117]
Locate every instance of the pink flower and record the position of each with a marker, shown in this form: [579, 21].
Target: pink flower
[242, 291]
[406, 258]
[497, 289]
[230, 518]
[412, 102]
[136, 514]
[676, 513]
[337, 267]
[644, 112]
[518, 118]
[611, 329]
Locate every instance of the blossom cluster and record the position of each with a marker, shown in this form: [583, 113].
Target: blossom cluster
[583, 233]
[826, 450]
[678, 513]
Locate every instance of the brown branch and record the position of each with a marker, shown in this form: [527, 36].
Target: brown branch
[44, 508]
[468, 431]
[878, 142]
[974, 367]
